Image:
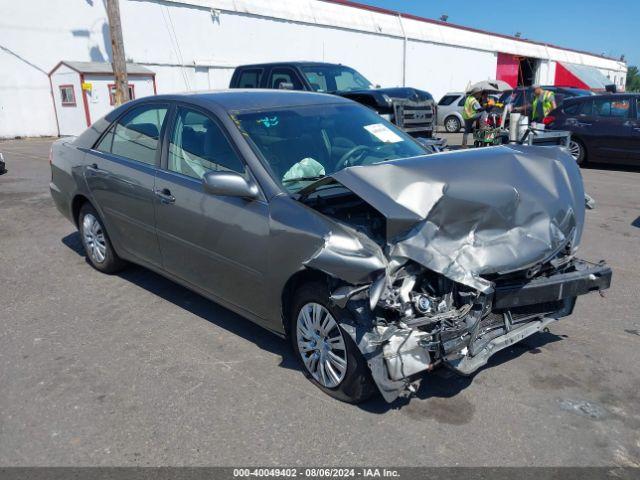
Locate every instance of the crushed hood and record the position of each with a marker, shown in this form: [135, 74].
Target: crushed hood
[471, 213]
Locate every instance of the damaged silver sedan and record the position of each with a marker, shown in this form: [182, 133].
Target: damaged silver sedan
[317, 219]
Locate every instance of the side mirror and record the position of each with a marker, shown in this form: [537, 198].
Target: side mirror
[230, 184]
[285, 86]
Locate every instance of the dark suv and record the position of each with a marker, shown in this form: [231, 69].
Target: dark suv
[411, 109]
[604, 128]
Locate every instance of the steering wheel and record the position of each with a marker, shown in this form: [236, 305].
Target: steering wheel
[355, 152]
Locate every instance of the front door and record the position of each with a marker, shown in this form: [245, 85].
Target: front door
[613, 129]
[216, 243]
[120, 174]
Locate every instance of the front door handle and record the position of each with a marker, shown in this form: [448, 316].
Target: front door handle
[164, 194]
[94, 168]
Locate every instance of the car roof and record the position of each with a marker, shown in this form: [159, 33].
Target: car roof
[251, 99]
[296, 63]
[603, 95]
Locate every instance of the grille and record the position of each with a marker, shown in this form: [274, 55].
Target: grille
[414, 116]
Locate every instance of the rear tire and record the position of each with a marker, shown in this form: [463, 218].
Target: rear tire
[340, 369]
[452, 124]
[96, 243]
[578, 151]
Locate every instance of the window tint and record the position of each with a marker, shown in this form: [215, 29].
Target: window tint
[572, 108]
[250, 78]
[447, 100]
[462, 100]
[198, 145]
[612, 107]
[135, 136]
[282, 76]
[638, 108]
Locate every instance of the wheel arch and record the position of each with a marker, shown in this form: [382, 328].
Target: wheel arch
[301, 277]
[582, 142]
[76, 204]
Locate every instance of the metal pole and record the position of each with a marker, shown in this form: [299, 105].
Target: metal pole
[117, 48]
[404, 52]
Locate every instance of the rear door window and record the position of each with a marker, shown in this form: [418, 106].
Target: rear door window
[136, 134]
[250, 78]
[572, 108]
[198, 145]
[283, 78]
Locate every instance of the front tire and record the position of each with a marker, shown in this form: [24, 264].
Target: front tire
[96, 243]
[452, 124]
[328, 355]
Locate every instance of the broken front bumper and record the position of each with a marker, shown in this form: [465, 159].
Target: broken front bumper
[521, 309]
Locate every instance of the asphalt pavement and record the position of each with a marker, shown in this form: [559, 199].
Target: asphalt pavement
[132, 369]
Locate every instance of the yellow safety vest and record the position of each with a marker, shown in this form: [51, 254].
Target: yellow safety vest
[547, 104]
[469, 111]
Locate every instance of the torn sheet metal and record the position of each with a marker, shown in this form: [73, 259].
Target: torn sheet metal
[469, 213]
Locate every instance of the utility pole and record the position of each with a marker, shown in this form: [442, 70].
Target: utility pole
[117, 49]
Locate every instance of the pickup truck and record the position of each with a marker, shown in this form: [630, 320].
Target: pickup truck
[412, 110]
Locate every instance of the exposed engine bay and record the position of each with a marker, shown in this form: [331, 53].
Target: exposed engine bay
[455, 275]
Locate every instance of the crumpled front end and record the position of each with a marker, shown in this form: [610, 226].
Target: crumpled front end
[475, 251]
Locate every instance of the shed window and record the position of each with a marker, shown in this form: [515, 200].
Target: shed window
[112, 93]
[67, 96]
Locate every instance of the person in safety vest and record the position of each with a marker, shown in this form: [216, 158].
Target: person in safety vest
[543, 102]
[471, 113]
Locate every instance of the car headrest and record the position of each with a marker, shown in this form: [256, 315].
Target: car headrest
[148, 129]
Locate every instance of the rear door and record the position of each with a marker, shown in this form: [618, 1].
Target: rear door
[216, 243]
[120, 175]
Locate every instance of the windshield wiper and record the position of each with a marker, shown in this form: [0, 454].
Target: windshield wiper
[303, 179]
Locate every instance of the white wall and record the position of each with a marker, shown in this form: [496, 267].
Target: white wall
[98, 98]
[189, 47]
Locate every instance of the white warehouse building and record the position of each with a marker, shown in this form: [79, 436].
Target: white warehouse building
[187, 45]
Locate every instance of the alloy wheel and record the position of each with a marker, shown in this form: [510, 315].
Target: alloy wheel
[321, 345]
[575, 149]
[452, 125]
[94, 239]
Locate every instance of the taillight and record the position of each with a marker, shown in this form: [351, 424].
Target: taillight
[548, 120]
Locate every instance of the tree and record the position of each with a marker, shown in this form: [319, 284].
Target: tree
[633, 79]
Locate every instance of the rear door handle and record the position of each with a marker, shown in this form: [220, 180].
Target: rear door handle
[164, 194]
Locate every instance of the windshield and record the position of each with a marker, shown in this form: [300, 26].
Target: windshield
[304, 144]
[335, 78]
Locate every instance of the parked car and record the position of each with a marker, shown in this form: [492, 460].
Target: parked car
[450, 109]
[604, 128]
[3, 165]
[377, 273]
[412, 110]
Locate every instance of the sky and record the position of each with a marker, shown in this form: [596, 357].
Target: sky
[612, 27]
